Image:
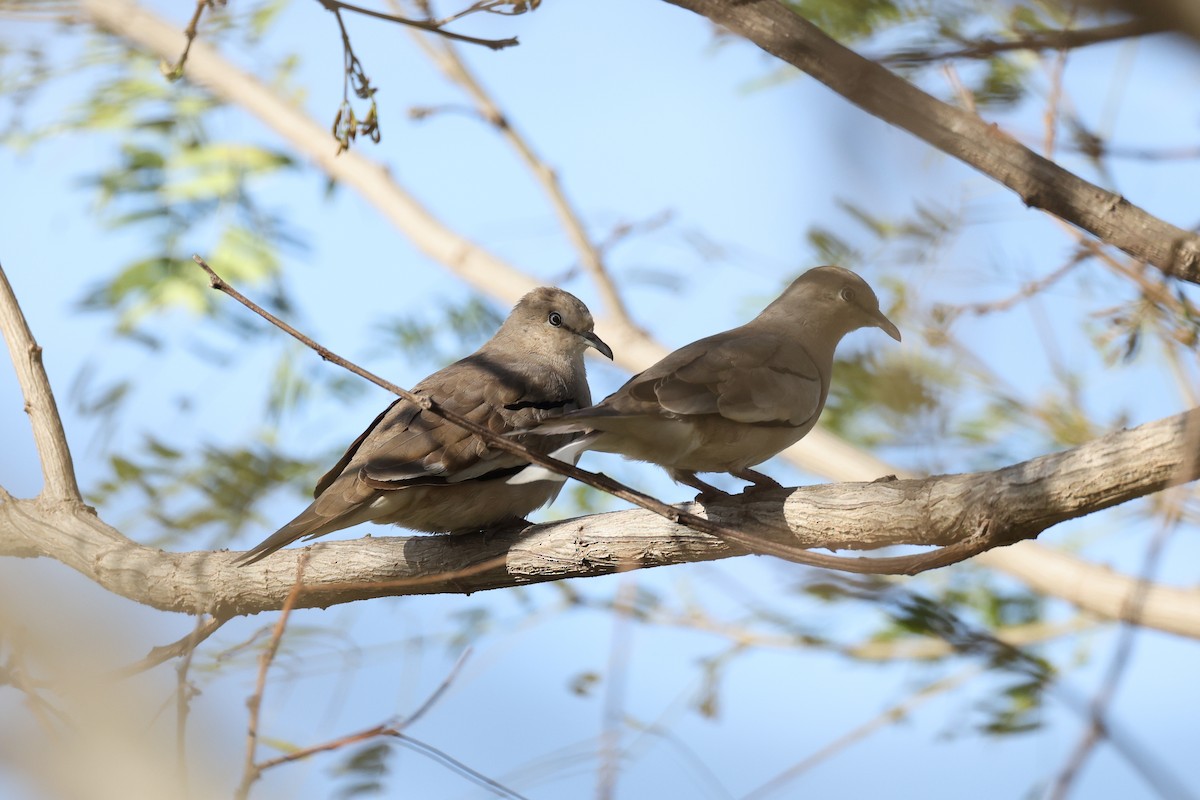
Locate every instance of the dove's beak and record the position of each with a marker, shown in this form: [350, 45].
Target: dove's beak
[595, 341]
[886, 325]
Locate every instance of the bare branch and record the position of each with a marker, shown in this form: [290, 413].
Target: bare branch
[1097, 711]
[446, 58]
[889, 716]
[1039, 182]
[1032, 40]
[183, 647]
[58, 470]
[432, 27]
[396, 731]
[174, 72]
[1019, 501]
[184, 691]
[251, 770]
[384, 729]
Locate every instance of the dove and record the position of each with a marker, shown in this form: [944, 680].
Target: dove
[419, 471]
[730, 401]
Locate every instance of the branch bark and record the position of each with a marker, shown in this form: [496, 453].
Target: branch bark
[1014, 503]
[58, 470]
[1039, 182]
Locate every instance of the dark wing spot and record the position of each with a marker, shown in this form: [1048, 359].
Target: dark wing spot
[543, 405]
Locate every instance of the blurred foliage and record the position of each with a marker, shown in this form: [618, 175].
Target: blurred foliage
[364, 769]
[170, 181]
[878, 397]
[213, 491]
[854, 19]
[442, 333]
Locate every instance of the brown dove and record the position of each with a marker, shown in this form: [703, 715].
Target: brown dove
[413, 469]
[732, 400]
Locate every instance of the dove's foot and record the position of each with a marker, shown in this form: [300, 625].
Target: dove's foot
[708, 492]
[758, 481]
[503, 527]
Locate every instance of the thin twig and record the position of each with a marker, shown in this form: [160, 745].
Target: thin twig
[42, 709]
[437, 693]
[250, 770]
[979, 540]
[1096, 728]
[166, 652]
[1026, 291]
[478, 778]
[58, 470]
[889, 716]
[183, 696]
[333, 744]
[383, 729]
[395, 730]
[174, 72]
[1034, 40]
[447, 59]
[494, 44]
[614, 694]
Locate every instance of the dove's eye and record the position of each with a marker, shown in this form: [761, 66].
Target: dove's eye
[555, 319]
[847, 294]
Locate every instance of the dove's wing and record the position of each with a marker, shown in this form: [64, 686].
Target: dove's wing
[406, 446]
[741, 375]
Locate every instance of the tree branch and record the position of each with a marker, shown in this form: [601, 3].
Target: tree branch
[58, 471]
[1016, 502]
[1039, 182]
[445, 57]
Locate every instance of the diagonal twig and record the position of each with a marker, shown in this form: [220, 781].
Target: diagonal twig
[1068, 39]
[396, 730]
[174, 72]
[250, 769]
[384, 729]
[494, 44]
[1097, 729]
[447, 59]
[889, 716]
[182, 647]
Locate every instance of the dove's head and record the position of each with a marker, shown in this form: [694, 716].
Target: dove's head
[833, 299]
[553, 322]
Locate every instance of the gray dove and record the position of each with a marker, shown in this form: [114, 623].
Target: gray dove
[732, 400]
[419, 471]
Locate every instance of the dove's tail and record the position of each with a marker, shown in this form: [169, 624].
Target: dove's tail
[308, 524]
[569, 452]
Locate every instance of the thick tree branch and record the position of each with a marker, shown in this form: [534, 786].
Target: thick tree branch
[58, 471]
[1016, 502]
[1038, 181]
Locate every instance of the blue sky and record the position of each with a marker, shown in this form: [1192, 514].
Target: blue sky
[641, 113]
